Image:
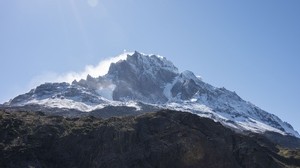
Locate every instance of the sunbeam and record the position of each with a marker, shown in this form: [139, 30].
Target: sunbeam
[81, 25]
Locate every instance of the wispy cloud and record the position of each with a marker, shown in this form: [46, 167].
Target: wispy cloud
[95, 71]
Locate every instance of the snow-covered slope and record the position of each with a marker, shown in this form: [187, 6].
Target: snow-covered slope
[155, 81]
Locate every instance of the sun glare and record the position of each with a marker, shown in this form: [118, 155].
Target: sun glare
[93, 3]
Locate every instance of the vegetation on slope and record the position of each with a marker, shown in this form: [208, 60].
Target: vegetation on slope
[161, 139]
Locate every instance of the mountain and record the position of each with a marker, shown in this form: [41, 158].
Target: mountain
[143, 83]
[161, 139]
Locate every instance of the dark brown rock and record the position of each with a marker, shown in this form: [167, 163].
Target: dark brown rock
[161, 139]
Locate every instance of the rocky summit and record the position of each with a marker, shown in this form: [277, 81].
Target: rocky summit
[142, 83]
[160, 139]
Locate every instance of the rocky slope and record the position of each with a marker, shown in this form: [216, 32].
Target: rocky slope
[143, 81]
[161, 139]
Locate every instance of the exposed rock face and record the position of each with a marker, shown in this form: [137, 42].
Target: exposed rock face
[162, 139]
[142, 78]
[186, 86]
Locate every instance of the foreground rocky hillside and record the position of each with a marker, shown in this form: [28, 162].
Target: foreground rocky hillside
[161, 139]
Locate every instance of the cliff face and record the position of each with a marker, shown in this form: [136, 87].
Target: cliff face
[161, 139]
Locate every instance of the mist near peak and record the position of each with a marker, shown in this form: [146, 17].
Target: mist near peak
[93, 70]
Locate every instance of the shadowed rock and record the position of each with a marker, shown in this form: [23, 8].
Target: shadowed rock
[161, 139]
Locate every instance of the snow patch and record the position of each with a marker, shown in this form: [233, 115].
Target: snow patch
[133, 104]
[62, 103]
[168, 87]
[107, 91]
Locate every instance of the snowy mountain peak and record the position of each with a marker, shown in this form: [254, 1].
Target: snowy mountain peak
[142, 63]
[155, 82]
[141, 77]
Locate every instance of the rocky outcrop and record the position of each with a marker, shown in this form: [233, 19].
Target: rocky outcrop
[142, 78]
[162, 139]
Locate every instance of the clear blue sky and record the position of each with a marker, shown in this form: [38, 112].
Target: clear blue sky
[251, 47]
